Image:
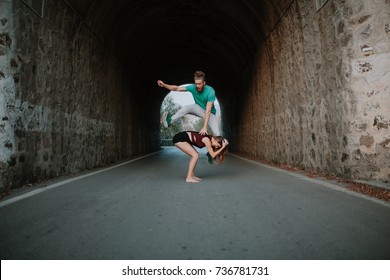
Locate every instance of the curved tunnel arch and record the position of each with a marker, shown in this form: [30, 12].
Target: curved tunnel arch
[171, 40]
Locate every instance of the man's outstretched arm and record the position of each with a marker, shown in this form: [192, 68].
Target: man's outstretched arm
[171, 87]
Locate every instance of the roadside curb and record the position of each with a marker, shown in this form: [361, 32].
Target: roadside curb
[320, 181]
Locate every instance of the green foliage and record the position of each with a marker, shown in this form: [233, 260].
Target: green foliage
[166, 134]
[172, 107]
[169, 105]
[198, 124]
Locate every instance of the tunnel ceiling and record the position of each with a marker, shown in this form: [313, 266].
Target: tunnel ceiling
[171, 39]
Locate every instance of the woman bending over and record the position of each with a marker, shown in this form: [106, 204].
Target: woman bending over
[215, 145]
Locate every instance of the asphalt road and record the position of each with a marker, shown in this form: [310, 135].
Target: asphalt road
[241, 210]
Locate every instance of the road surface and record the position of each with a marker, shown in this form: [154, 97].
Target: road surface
[241, 210]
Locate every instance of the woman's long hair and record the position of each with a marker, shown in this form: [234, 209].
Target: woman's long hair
[221, 156]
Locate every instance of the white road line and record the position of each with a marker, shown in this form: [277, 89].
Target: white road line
[40, 190]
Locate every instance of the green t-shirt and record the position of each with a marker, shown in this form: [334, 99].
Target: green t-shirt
[201, 98]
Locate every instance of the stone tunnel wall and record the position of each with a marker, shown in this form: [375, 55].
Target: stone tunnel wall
[320, 93]
[64, 104]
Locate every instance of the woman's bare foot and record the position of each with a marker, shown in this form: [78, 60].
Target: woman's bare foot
[194, 177]
[192, 180]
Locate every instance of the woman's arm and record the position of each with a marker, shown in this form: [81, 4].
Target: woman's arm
[209, 148]
[171, 87]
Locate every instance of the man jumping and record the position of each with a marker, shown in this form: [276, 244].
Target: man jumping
[204, 97]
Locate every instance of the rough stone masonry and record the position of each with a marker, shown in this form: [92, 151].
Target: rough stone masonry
[320, 93]
[62, 97]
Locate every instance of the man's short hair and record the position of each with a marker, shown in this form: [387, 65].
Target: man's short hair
[199, 75]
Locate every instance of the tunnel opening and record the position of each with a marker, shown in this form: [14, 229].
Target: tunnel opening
[172, 103]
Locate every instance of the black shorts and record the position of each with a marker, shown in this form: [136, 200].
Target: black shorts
[181, 137]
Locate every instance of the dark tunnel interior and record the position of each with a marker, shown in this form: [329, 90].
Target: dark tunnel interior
[300, 83]
[169, 40]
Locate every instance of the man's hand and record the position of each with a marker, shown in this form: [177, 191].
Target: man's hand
[203, 131]
[170, 87]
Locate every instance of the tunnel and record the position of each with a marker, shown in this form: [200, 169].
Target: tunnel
[303, 83]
